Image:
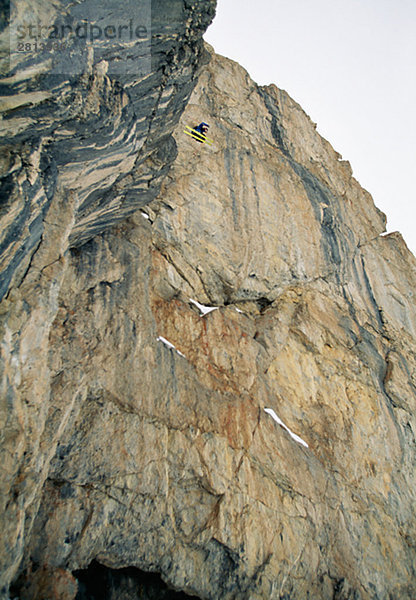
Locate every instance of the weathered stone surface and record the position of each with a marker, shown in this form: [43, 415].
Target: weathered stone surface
[103, 140]
[79, 154]
[122, 450]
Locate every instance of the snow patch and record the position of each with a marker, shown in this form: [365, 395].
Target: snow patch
[169, 345]
[298, 439]
[146, 216]
[204, 309]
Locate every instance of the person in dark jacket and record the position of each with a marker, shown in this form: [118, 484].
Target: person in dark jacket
[202, 128]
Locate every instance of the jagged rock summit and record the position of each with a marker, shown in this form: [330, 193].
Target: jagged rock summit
[213, 381]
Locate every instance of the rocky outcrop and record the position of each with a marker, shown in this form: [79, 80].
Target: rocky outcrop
[101, 141]
[80, 152]
[136, 432]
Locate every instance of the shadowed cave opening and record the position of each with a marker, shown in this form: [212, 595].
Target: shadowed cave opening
[98, 582]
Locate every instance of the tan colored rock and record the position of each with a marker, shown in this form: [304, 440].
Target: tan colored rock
[153, 449]
[49, 583]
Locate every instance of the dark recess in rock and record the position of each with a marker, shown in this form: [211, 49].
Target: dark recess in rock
[98, 582]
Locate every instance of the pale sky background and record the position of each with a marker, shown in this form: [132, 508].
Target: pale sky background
[351, 65]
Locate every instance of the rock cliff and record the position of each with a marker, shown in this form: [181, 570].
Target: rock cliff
[208, 352]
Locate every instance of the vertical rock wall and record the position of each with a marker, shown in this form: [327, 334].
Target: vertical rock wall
[136, 432]
[79, 153]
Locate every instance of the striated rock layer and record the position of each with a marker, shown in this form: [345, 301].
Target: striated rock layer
[136, 437]
[103, 142]
[79, 153]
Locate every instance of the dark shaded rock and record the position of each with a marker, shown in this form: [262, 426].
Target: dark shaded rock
[98, 582]
[104, 130]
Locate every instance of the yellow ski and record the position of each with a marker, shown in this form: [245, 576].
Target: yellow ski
[198, 133]
[198, 136]
[198, 139]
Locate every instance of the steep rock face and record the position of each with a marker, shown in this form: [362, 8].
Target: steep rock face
[153, 449]
[101, 141]
[79, 153]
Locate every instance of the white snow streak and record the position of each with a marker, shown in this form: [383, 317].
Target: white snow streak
[169, 345]
[271, 412]
[204, 309]
[145, 215]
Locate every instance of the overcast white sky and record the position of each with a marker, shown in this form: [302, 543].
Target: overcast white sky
[351, 65]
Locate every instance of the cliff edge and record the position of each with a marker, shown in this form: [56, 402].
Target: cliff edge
[215, 380]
